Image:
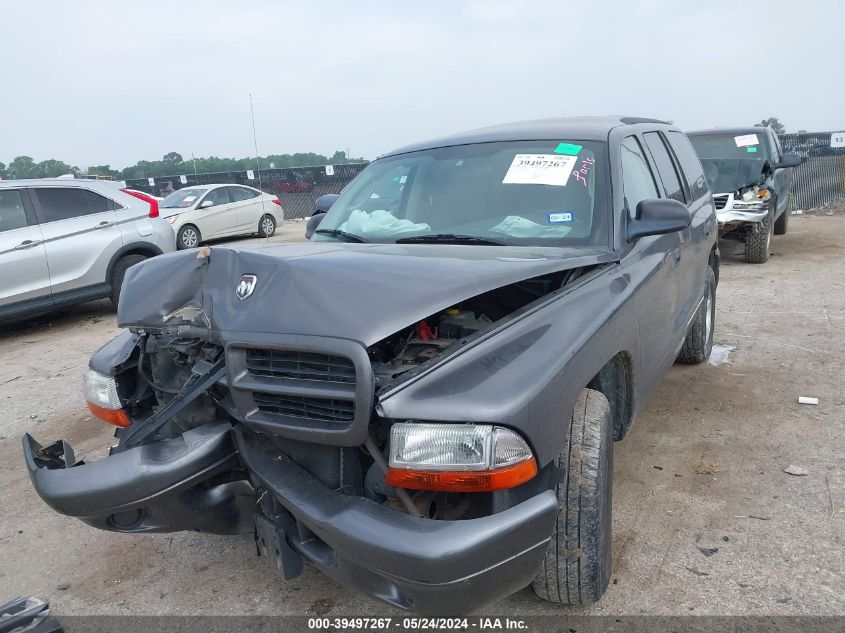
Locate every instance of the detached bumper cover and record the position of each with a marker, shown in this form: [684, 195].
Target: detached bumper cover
[161, 487]
[413, 563]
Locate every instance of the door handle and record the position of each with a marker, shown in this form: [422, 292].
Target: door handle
[676, 255]
[104, 225]
[27, 244]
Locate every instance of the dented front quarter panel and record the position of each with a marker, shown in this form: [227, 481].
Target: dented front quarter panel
[527, 372]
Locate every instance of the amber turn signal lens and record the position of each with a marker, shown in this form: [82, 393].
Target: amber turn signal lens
[117, 417]
[463, 481]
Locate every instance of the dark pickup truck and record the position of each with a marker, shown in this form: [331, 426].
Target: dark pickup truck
[750, 177]
[422, 401]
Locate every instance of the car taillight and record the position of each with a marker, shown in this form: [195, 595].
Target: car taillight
[148, 199]
[276, 201]
[103, 402]
[457, 457]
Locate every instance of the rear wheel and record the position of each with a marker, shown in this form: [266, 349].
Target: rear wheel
[758, 245]
[699, 341]
[119, 272]
[782, 223]
[577, 566]
[188, 237]
[266, 226]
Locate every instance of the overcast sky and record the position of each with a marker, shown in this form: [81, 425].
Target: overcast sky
[114, 82]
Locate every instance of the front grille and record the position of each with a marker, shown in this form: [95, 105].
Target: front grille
[720, 201]
[300, 365]
[305, 388]
[322, 409]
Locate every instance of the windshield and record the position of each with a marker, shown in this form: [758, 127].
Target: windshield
[550, 193]
[182, 198]
[732, 161]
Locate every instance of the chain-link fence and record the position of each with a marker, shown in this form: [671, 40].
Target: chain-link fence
[296, 187]
[820, 179]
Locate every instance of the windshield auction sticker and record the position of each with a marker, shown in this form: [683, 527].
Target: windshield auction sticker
[746, 139]
[540, 169]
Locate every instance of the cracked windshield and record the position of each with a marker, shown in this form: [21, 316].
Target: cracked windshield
[550, 193]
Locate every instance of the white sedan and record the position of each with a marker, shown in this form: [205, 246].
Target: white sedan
[209, 212]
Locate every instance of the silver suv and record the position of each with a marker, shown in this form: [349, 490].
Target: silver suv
[67, 241]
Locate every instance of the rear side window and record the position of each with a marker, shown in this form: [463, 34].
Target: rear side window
[12, 212]
[65, 204]
[690, 164]
[240, 194]
[637, 179]
[99, 203]
[665, 166]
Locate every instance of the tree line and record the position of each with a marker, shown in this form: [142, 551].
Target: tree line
[171, 164]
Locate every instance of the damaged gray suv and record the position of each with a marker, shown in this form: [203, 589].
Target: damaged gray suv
[423, 400]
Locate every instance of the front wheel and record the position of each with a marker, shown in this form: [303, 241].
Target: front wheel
[576, 569]
[758, 245]
[699, 340]
[188, 237]
[266, 226]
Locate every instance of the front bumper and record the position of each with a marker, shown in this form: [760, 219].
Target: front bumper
[412, 563]
[196, 482]
[736, 212]
[174, 485]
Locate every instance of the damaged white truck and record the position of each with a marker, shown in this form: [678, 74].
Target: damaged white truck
[422, 401]
[750, 178]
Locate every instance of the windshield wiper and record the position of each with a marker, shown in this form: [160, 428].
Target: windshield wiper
[349, 237]
[448, 238]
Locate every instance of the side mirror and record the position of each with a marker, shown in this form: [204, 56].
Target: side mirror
[313, 223]
[658, 217]
[789, 160]
[206, 203]
[324, 203]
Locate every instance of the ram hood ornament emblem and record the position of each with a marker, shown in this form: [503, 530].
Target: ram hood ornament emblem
[245, 287]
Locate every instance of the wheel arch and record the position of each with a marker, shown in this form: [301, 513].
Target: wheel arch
[134, 248]
[615, 381]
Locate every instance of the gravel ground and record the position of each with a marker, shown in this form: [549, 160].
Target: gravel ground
[706, 521]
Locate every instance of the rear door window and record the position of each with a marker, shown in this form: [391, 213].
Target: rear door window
[690, 164]
[58, 203]
[665, 166]
[637, 179]
[12, 211]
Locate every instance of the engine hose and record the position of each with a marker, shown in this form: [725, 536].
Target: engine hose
[378, 458]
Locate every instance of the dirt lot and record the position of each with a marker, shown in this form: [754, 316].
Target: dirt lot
[705, 519]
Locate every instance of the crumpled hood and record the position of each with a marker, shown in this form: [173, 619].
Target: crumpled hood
[362, 292]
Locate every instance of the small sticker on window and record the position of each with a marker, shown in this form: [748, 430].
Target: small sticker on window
[560, 217]
[539, 169]
[745, 140]
[189, 198]
[402, 180]
[568, 148]
[751, 150]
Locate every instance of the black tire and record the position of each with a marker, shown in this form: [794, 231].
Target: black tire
[576, 569]
[782, 223]
[699, 340]
[189, 236]
[266, 226]
[758, 246]
[119, 272]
